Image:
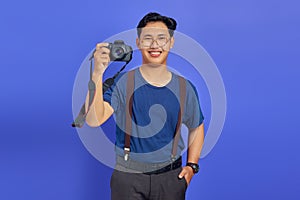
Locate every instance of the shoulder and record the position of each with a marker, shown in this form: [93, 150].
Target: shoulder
[189, 85]
[121, 79]
[124, 75]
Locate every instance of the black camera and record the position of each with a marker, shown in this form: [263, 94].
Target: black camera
[119, 51]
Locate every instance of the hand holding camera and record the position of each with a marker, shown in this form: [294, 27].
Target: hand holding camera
[101, 58]
[106, 52]
[103, 54]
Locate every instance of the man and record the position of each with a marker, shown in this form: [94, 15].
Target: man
[149, 164]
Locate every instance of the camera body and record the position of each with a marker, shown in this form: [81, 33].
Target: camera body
[119, 51]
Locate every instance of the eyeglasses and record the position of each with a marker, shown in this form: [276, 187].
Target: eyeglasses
[161, 41]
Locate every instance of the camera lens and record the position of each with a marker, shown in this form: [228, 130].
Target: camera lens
[118, 53]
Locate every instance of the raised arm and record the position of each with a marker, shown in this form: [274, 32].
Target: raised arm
[99, 110]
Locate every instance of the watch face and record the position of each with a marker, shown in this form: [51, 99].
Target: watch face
[196, 169]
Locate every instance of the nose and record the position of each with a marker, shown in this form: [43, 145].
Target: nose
[154, 44]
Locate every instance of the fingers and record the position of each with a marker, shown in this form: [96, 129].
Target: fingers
[182, 173]
[101, 57]
[101, 50]
[186, 173]
[102, 47]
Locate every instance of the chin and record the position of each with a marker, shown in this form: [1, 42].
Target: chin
[154, 63]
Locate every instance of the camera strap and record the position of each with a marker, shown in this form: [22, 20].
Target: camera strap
[80, 119]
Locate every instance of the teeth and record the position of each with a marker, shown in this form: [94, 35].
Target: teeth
[154, 53]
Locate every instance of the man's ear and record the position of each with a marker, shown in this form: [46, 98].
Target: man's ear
[137, 41]
[172, 42]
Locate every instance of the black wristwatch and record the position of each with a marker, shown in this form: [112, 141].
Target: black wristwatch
[194, 166]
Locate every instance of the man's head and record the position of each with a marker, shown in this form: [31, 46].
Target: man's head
[155, 17]
[155, 37]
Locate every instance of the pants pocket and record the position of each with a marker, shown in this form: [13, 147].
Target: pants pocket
[185, 182]
[112, 178]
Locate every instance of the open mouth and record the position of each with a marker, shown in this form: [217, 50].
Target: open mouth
[155, 53]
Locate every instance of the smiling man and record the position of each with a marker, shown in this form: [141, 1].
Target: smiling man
[149, 104]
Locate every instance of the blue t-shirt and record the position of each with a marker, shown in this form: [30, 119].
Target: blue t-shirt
[155, 115]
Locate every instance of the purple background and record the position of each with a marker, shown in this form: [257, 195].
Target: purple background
[255, 45]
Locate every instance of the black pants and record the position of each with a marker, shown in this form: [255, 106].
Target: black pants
[138, 186]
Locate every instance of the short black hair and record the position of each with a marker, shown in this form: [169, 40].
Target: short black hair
[156, 17]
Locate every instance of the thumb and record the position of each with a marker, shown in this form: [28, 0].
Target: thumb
[181, 175]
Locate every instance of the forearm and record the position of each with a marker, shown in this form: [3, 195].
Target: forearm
[195, 142]
[98, 110]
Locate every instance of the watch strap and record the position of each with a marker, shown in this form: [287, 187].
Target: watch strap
[194, 166]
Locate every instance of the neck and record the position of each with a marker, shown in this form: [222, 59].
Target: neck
[157, 75]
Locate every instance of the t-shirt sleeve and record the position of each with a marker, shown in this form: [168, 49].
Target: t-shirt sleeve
[193, 116]
[112, 95]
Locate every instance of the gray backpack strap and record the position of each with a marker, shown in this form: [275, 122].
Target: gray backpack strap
[129, 102]
[182, 94]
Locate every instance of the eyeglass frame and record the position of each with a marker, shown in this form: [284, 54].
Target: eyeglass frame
[155, 40]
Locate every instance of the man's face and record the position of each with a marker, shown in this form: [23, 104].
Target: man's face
[155, 43]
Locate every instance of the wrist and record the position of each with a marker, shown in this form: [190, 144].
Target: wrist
[193, 166]
[96, 76]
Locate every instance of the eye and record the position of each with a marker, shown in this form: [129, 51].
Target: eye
[162, 38]
[147, 38]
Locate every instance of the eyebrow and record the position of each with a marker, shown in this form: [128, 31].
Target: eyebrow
[149, 35]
